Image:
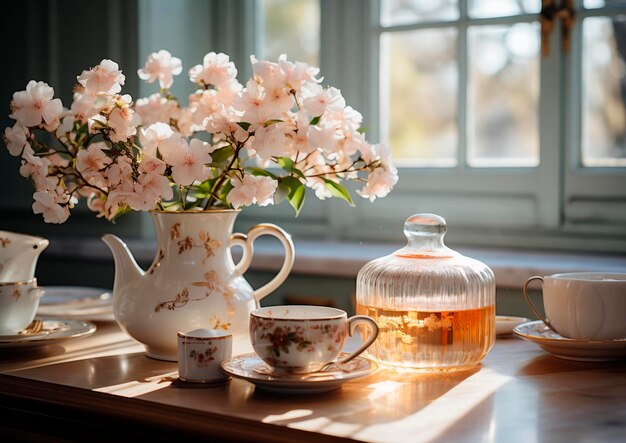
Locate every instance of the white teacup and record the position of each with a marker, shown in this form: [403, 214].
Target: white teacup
[302, 339]
[584, 305]
[200, 354]
[18, 305]
[18, 255]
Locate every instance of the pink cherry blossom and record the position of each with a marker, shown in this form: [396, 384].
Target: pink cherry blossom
[65, 128]
[152, 136]
[379, 183]
[96, 202]
[297, 74]
[252, 189]
[325, 135]
[16, 138]
[122, 197]
[169, 145]
[35, 105]
[35, 167]
[270, 141]
[203, 104]
[91, 161]
[119, 173]
[123, 122]
[162, 66]
[225, 122]
[267, 73]
[216, 70]
[321, 99]
[189, 163]
[156, 108]
[46, 204]
[184, 123]
[105, 78]
[84, 106]
[155, 186]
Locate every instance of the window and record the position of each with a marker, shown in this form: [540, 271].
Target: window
[514, 148]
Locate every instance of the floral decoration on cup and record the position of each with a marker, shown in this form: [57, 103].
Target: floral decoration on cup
[302, 339]
[271, 138]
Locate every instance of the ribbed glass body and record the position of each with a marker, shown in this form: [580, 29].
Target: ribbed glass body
[435, 307]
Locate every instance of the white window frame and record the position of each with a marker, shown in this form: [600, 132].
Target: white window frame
[541, 207]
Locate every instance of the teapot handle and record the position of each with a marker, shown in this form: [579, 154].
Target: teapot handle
[246, 241]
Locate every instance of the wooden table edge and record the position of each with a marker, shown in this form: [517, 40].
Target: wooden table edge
[36, 398]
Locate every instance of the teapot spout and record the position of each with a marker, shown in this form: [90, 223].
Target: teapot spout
[126, 268]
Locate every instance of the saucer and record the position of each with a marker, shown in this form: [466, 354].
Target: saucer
[76, 302]
[251, 368]
[506, 323]
[53, 331]
[571, 349]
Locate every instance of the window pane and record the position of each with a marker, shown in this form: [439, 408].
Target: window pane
[503, 8]
[604, 80]
[596, 4]
[404, 12]
[291, 27]
[419, 86]
[503, 94]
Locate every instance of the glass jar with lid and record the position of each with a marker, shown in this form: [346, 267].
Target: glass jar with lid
[435, 307]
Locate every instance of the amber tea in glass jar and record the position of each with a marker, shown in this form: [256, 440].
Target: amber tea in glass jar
[434, 307]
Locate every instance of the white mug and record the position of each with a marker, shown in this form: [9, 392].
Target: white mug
[303, 339]
[584, 305]
[19, 301]
[200, 354]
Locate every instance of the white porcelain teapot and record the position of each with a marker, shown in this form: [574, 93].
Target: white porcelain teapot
[18, 255]
[193, 282]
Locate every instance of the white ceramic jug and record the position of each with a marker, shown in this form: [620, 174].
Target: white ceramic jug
[193, 282]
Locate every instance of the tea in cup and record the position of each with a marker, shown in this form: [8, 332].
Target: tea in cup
[303, 339]
[18, 305]
[200, 354]
[583, 305]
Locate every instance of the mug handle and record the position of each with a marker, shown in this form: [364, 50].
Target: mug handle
[353, 322]
[246, 242]
[532, 306]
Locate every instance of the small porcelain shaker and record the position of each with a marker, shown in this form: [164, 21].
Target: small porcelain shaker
[200, 353]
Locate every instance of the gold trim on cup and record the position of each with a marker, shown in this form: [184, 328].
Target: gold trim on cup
[339, 316]
[219, 337]
[19, 283]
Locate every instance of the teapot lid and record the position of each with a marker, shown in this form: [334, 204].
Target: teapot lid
[425, 233]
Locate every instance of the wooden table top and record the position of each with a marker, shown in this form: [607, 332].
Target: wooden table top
[519, 393]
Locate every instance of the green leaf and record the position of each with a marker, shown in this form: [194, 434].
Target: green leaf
[296, 192]
[361, 130]
[222, 154]
[282, 192]
[288, 165]
[121, 211]
[271, 122]
[338, 191]
[315, 120]
[260, 172]
[224, 190]
[245, 126]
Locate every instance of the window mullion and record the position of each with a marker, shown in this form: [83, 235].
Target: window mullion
[462, 103]
[549, 179]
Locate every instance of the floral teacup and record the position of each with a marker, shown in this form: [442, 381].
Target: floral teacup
[303, 339]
